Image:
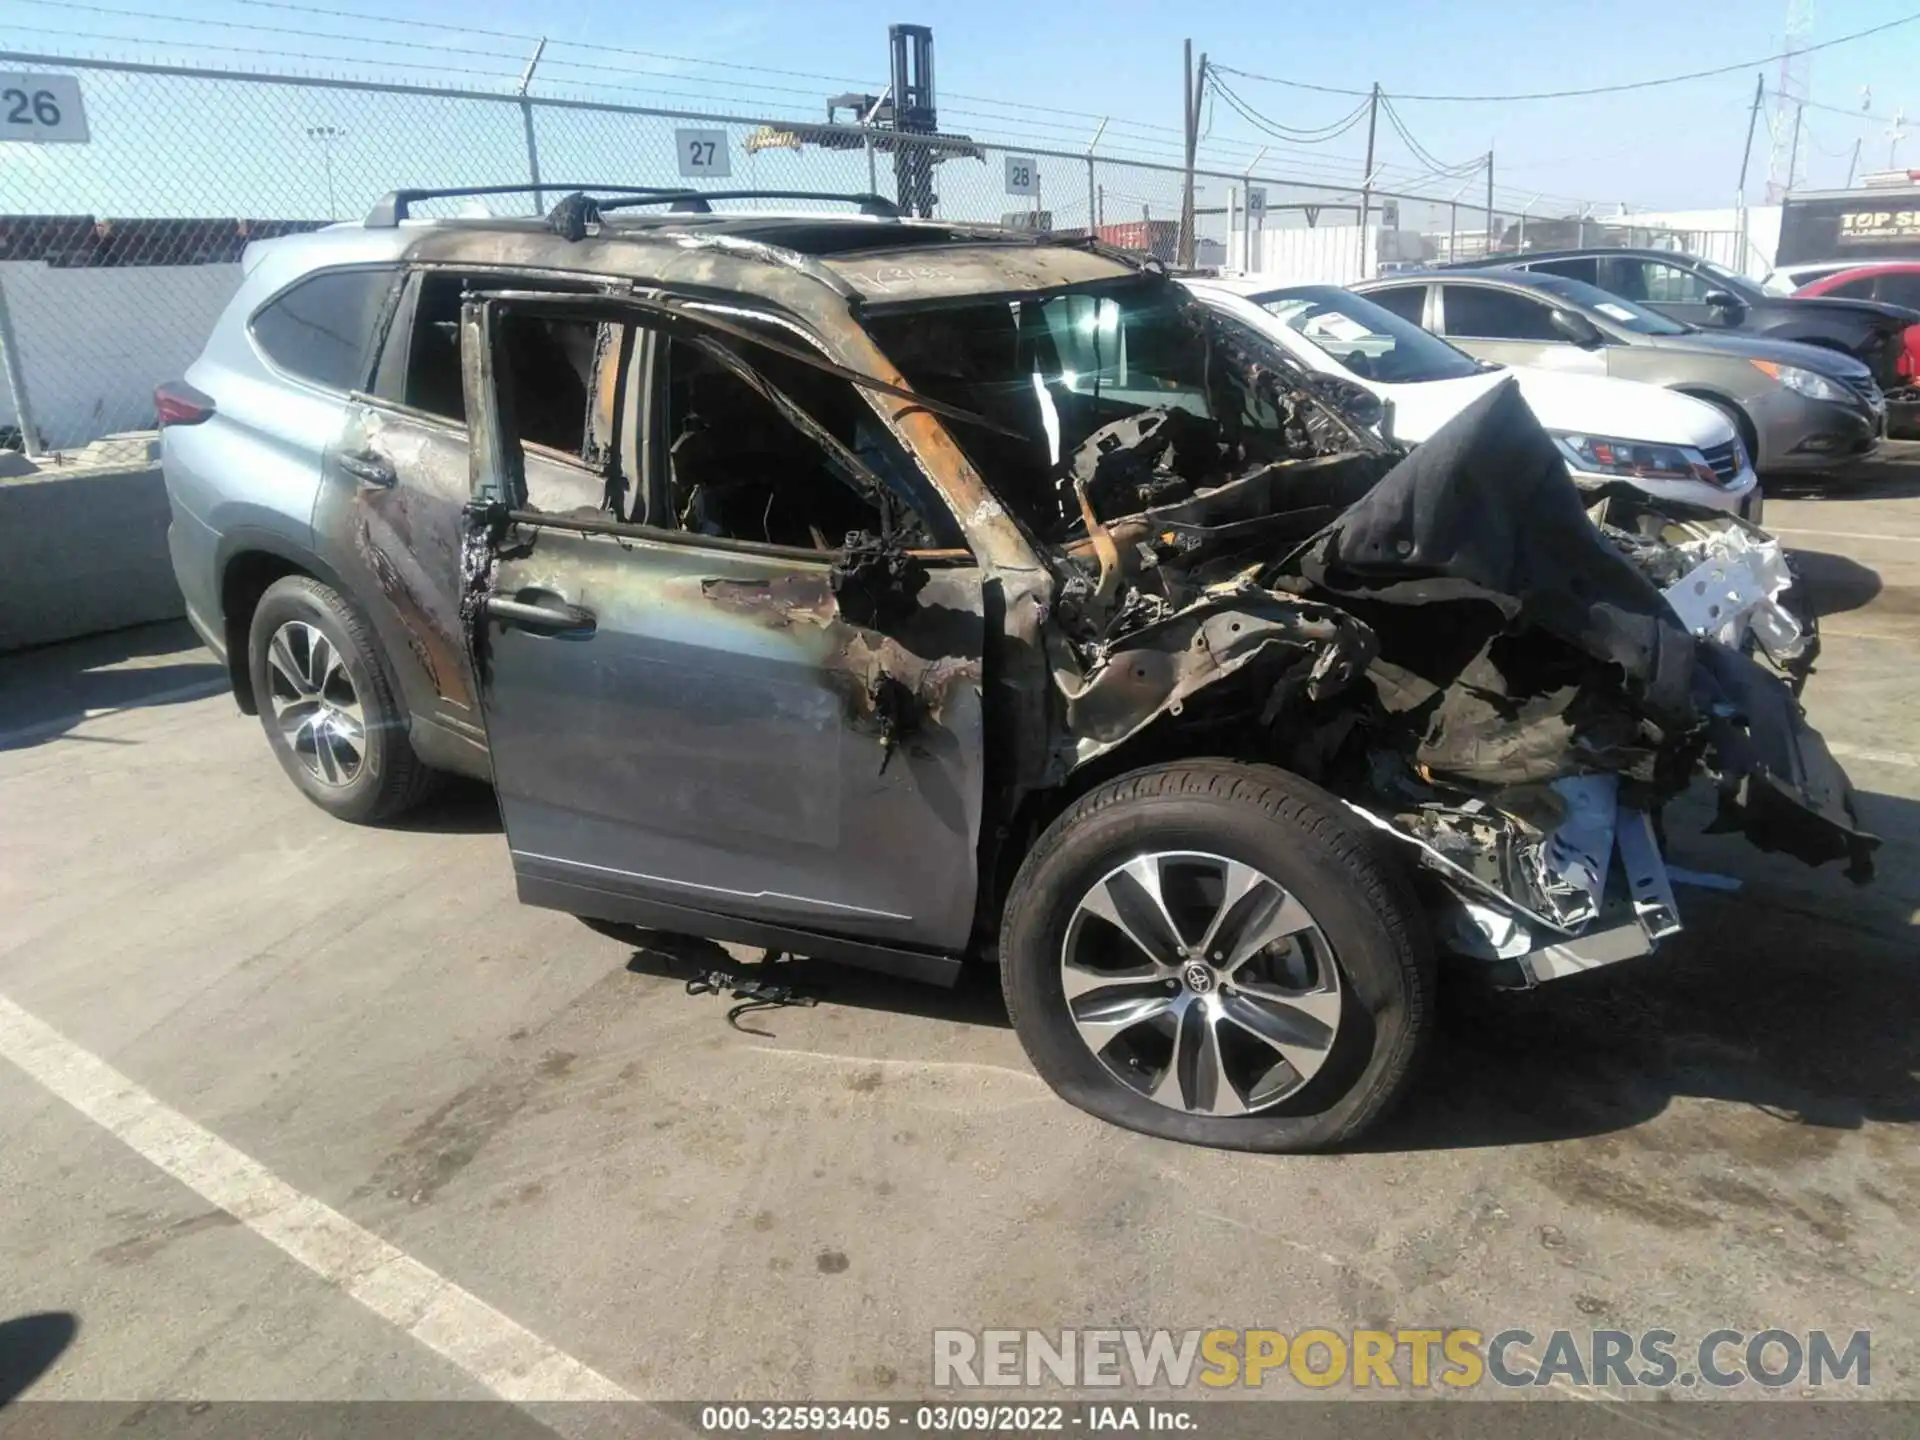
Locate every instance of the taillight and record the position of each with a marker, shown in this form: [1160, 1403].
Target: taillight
[178, 403]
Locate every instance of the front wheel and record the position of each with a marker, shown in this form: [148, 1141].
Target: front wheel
[1218, 953]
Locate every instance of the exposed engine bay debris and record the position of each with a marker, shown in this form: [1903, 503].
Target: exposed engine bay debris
[1510, 676]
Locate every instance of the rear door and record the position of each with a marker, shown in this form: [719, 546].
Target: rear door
[723, 707]
[1512, 327]
[396, 478]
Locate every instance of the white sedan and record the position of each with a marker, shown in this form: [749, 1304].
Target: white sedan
[1667, 444]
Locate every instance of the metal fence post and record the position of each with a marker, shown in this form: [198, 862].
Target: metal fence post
[526, 120]
[17, 382]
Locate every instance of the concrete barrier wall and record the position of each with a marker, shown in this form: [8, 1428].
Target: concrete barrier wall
[83, 552]
[94, 342]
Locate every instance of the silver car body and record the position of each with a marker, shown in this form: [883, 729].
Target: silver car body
[1785, 429]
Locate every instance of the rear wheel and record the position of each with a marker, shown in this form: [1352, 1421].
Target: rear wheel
[330, 714]
[1217, 953]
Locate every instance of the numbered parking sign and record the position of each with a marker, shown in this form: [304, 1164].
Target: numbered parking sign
[1257, 201]
[703, 152]
[42, 109]
[1023, 175]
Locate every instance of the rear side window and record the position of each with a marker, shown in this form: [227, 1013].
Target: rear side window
[1586, 269]
[1407, 302]
[322, 329]
[1900, 290]
[1856, 289]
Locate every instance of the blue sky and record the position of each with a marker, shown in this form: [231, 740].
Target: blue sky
[998, 61]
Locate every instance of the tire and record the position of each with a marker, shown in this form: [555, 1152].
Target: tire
[1368, 940]
[375, 779]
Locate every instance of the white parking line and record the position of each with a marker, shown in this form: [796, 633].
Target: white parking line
[1844, 534]
[1873, 757]
[499, 1353]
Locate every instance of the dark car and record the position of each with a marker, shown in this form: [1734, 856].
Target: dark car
[909, 593]
[1712, 297]
[1796, 407]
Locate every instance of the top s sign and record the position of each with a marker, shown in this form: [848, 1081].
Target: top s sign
[41, 109]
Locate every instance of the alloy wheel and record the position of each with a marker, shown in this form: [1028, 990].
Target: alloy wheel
[1201, 983]
[314, 703]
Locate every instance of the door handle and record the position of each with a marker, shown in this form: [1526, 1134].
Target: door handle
[547, 617]
[368, 467]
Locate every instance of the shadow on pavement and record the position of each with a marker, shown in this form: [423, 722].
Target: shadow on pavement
[29, 1344]
[1834, 583]
[458, 807]
[974, 1001]
[45, 693]
[1794, 996]
[1796, 999]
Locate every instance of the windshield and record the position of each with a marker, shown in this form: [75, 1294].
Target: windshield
[1619, 310]
[1055, 369]
[1368, 339]
[1732, 279]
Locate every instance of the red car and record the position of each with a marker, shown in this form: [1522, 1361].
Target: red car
[1895, 282]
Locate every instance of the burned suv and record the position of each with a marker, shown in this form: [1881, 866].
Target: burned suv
[902, 592]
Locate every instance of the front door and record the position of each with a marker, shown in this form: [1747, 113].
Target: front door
[719, 709]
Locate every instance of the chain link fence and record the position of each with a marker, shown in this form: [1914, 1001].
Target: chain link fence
[117, 255]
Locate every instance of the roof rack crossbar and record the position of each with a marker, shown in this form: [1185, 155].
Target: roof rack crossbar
[397, 205]
[393, 207]
[695, 202]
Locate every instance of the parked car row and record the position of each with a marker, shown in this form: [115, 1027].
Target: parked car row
[1796, 407]
[1662, 441]
[912, 594]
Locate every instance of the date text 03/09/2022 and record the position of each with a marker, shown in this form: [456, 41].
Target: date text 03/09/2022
[947, 1419]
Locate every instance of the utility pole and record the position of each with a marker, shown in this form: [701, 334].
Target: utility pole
[1366, 179]
[1753, 121]
[1489, 249]
[1196, 83]
[1893, 139]
[1746, 158]
[1793, 155]
[1853, 165]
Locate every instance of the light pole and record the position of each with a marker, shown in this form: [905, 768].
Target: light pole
[327, 135]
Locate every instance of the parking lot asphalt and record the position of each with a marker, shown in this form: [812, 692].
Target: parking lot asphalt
[601, 1181]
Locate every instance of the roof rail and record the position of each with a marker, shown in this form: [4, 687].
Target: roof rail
[396, 205]
[393, 207]
[694, 202]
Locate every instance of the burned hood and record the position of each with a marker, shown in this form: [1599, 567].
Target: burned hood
[1484, 512]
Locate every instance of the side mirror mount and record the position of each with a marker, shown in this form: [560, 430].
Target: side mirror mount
[1578, 330]
[1725, 302]
[1360, 406]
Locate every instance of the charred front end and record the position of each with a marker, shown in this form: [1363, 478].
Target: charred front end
[1508, 675]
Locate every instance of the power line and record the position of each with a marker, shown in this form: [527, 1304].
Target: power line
[1592, 89]
[526, 39]
[1420, 152]
[1270, 126]
[128, 40]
